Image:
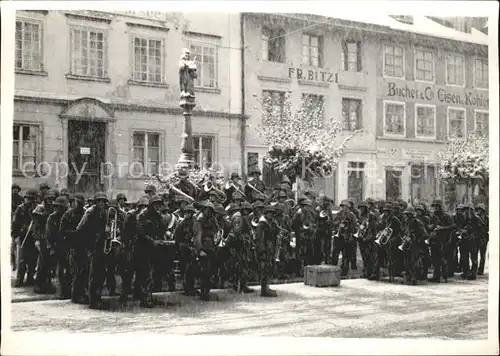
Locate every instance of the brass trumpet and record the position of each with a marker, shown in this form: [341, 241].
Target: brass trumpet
[323, 214]
[255, 222]
[111, 231]
[405, 245]
[383, 236]
[360, 234]
[208, 186]
[279, 242]
[219, 238]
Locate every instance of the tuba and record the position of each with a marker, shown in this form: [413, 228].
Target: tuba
[406, 244]
[112, 239]
[383, 236]
[279, 242]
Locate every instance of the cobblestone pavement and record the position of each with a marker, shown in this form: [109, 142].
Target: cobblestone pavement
[357, 309]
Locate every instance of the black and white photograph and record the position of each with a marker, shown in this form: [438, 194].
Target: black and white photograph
[237, 170]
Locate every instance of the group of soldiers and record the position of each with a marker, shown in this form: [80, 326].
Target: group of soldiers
[213, 235]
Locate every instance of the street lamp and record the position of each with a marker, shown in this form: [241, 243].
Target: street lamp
[187, 75]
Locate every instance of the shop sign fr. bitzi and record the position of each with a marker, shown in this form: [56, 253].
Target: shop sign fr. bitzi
[312, 75]
[428, 93]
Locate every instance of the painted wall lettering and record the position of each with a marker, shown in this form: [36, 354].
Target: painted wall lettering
[312, 75]
[466, 98]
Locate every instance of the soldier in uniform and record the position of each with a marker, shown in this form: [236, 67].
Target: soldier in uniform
[16, 200]
[372, 208]
[390, 251]
[441, 226]
[92, 230]
[424, 247]
[111, 258]
[257, 183]
[265, 243]
[127, 258]
[23, 237]
[90, 202]
[46, 252]
[304, 225]
[205, 228]
[60, 246]
[325, 227]
[231, 187]
[65, 193]
[286, 186]
[222, 253]
[150, 231]
[240, 242]
[459, 221]
[184, 237]
[482, 214]
[231, 209]
[185, 186]
[415, 231]
[367, 246]
[44, 188]
[150, 190]
[470, 242]
[346, 226]
[78, 250]
[164, 255]
[122, 202]
[283, 226]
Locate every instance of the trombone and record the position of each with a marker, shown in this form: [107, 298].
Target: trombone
[230, 185]
[208, 186]
[255, 189]
[111, 230]
[175, 190]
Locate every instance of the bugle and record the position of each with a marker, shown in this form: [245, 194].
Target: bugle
[383, 236]
[175, 190]
[111, 239]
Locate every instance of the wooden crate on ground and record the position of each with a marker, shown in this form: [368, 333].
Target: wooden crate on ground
[322, 276]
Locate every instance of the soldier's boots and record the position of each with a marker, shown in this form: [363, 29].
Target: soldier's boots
[100, 305]
[265, 291]
[48, 289]
[244, 288]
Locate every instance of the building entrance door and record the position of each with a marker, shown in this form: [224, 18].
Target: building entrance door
[86, 156]
[393, 184]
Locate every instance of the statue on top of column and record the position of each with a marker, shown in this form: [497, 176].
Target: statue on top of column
[187, 74]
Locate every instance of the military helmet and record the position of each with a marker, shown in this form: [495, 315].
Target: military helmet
[219, 209]
[282, 194]
[437, 202]
[256, 170]
[301, 199]
[64, 191]
[344, 203]
[16, 186]
[269, 209]
[245, 205]
[481, 206]
[121, 196]
[285, 180]
[80, 198]
[419, 207]
[155, 199]
[31, 193]
[409, 210]
[61, 201]
[51, 194]
[150, 188]
[258, 204]
[460, 207]
[307, 202]
[260, 197]
[211, 192]
[363, 204]
[469, 206]
[182, 173]
[387, 207]
[143, 201]
[190, 208]
[44, 185]
[370, 201]
[113, 203]
[235, 175]
[101, 196]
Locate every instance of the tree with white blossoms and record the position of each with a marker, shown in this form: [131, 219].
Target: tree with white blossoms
[466, 161]
[195, 176]
[301, 143]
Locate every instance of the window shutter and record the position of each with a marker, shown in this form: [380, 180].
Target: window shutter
[359, 57]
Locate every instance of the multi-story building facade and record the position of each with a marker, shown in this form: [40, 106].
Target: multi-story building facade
[407, 84]
[97, 95]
